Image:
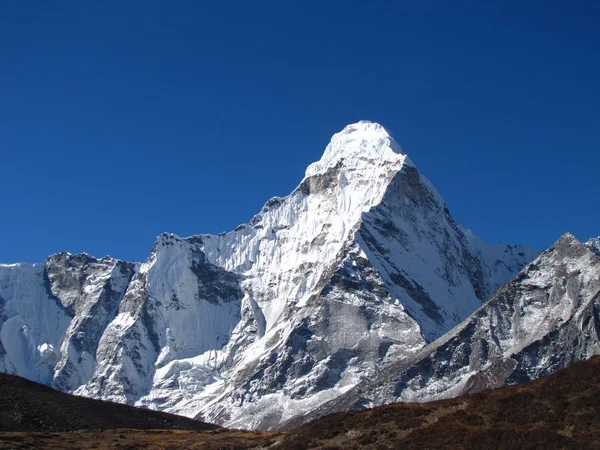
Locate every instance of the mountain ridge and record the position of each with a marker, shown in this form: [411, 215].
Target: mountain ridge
[511, 339]
[360, 265]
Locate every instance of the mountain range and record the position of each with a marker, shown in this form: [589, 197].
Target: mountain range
[357, 289]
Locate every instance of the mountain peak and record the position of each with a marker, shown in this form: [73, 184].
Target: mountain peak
[567, 239]
[364, 125]
[361, 143]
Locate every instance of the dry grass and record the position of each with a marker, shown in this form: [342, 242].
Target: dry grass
[124, 439]
[561, 411]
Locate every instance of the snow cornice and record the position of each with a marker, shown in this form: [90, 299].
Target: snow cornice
[361, 144]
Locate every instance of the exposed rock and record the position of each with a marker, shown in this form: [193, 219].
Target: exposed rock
[544, 319]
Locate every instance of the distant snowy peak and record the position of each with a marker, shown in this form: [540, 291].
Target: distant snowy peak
[594, 245]
[360, 145]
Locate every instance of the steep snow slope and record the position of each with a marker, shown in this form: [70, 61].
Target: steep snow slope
[361, 265]
[53, 315]
[33, 323]
[544, 319]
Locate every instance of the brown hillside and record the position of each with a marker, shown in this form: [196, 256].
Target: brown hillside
[29, 406]
[561, 411]
[556, 412]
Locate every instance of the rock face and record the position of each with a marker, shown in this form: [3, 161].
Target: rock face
[361, 266]
[545, 318]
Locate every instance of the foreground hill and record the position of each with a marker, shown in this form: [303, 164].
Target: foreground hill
[29, 406]
[556, 412]
[35, 416]
[560, 411]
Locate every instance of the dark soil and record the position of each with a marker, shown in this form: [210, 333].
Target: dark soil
[29, 406]
[561, 411]
[126, 439]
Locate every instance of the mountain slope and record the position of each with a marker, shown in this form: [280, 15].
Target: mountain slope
[360, 266]
[544, 319]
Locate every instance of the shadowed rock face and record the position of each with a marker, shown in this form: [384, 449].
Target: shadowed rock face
[321, 182]
[215, 284]
[359, 267]
[68, 280]
[543, 320]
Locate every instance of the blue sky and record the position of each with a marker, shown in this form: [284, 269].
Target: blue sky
[121, 121]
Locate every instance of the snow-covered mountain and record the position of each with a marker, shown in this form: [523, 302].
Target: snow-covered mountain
[361, 266]
[544, 319]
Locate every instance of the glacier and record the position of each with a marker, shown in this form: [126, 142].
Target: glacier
[359, 268]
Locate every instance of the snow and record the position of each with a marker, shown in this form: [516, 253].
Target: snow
[33, 323]
[356, 143]
[47, 354]
[538, 323]
[594, 244]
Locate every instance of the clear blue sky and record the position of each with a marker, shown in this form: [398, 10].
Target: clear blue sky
[121, 120]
